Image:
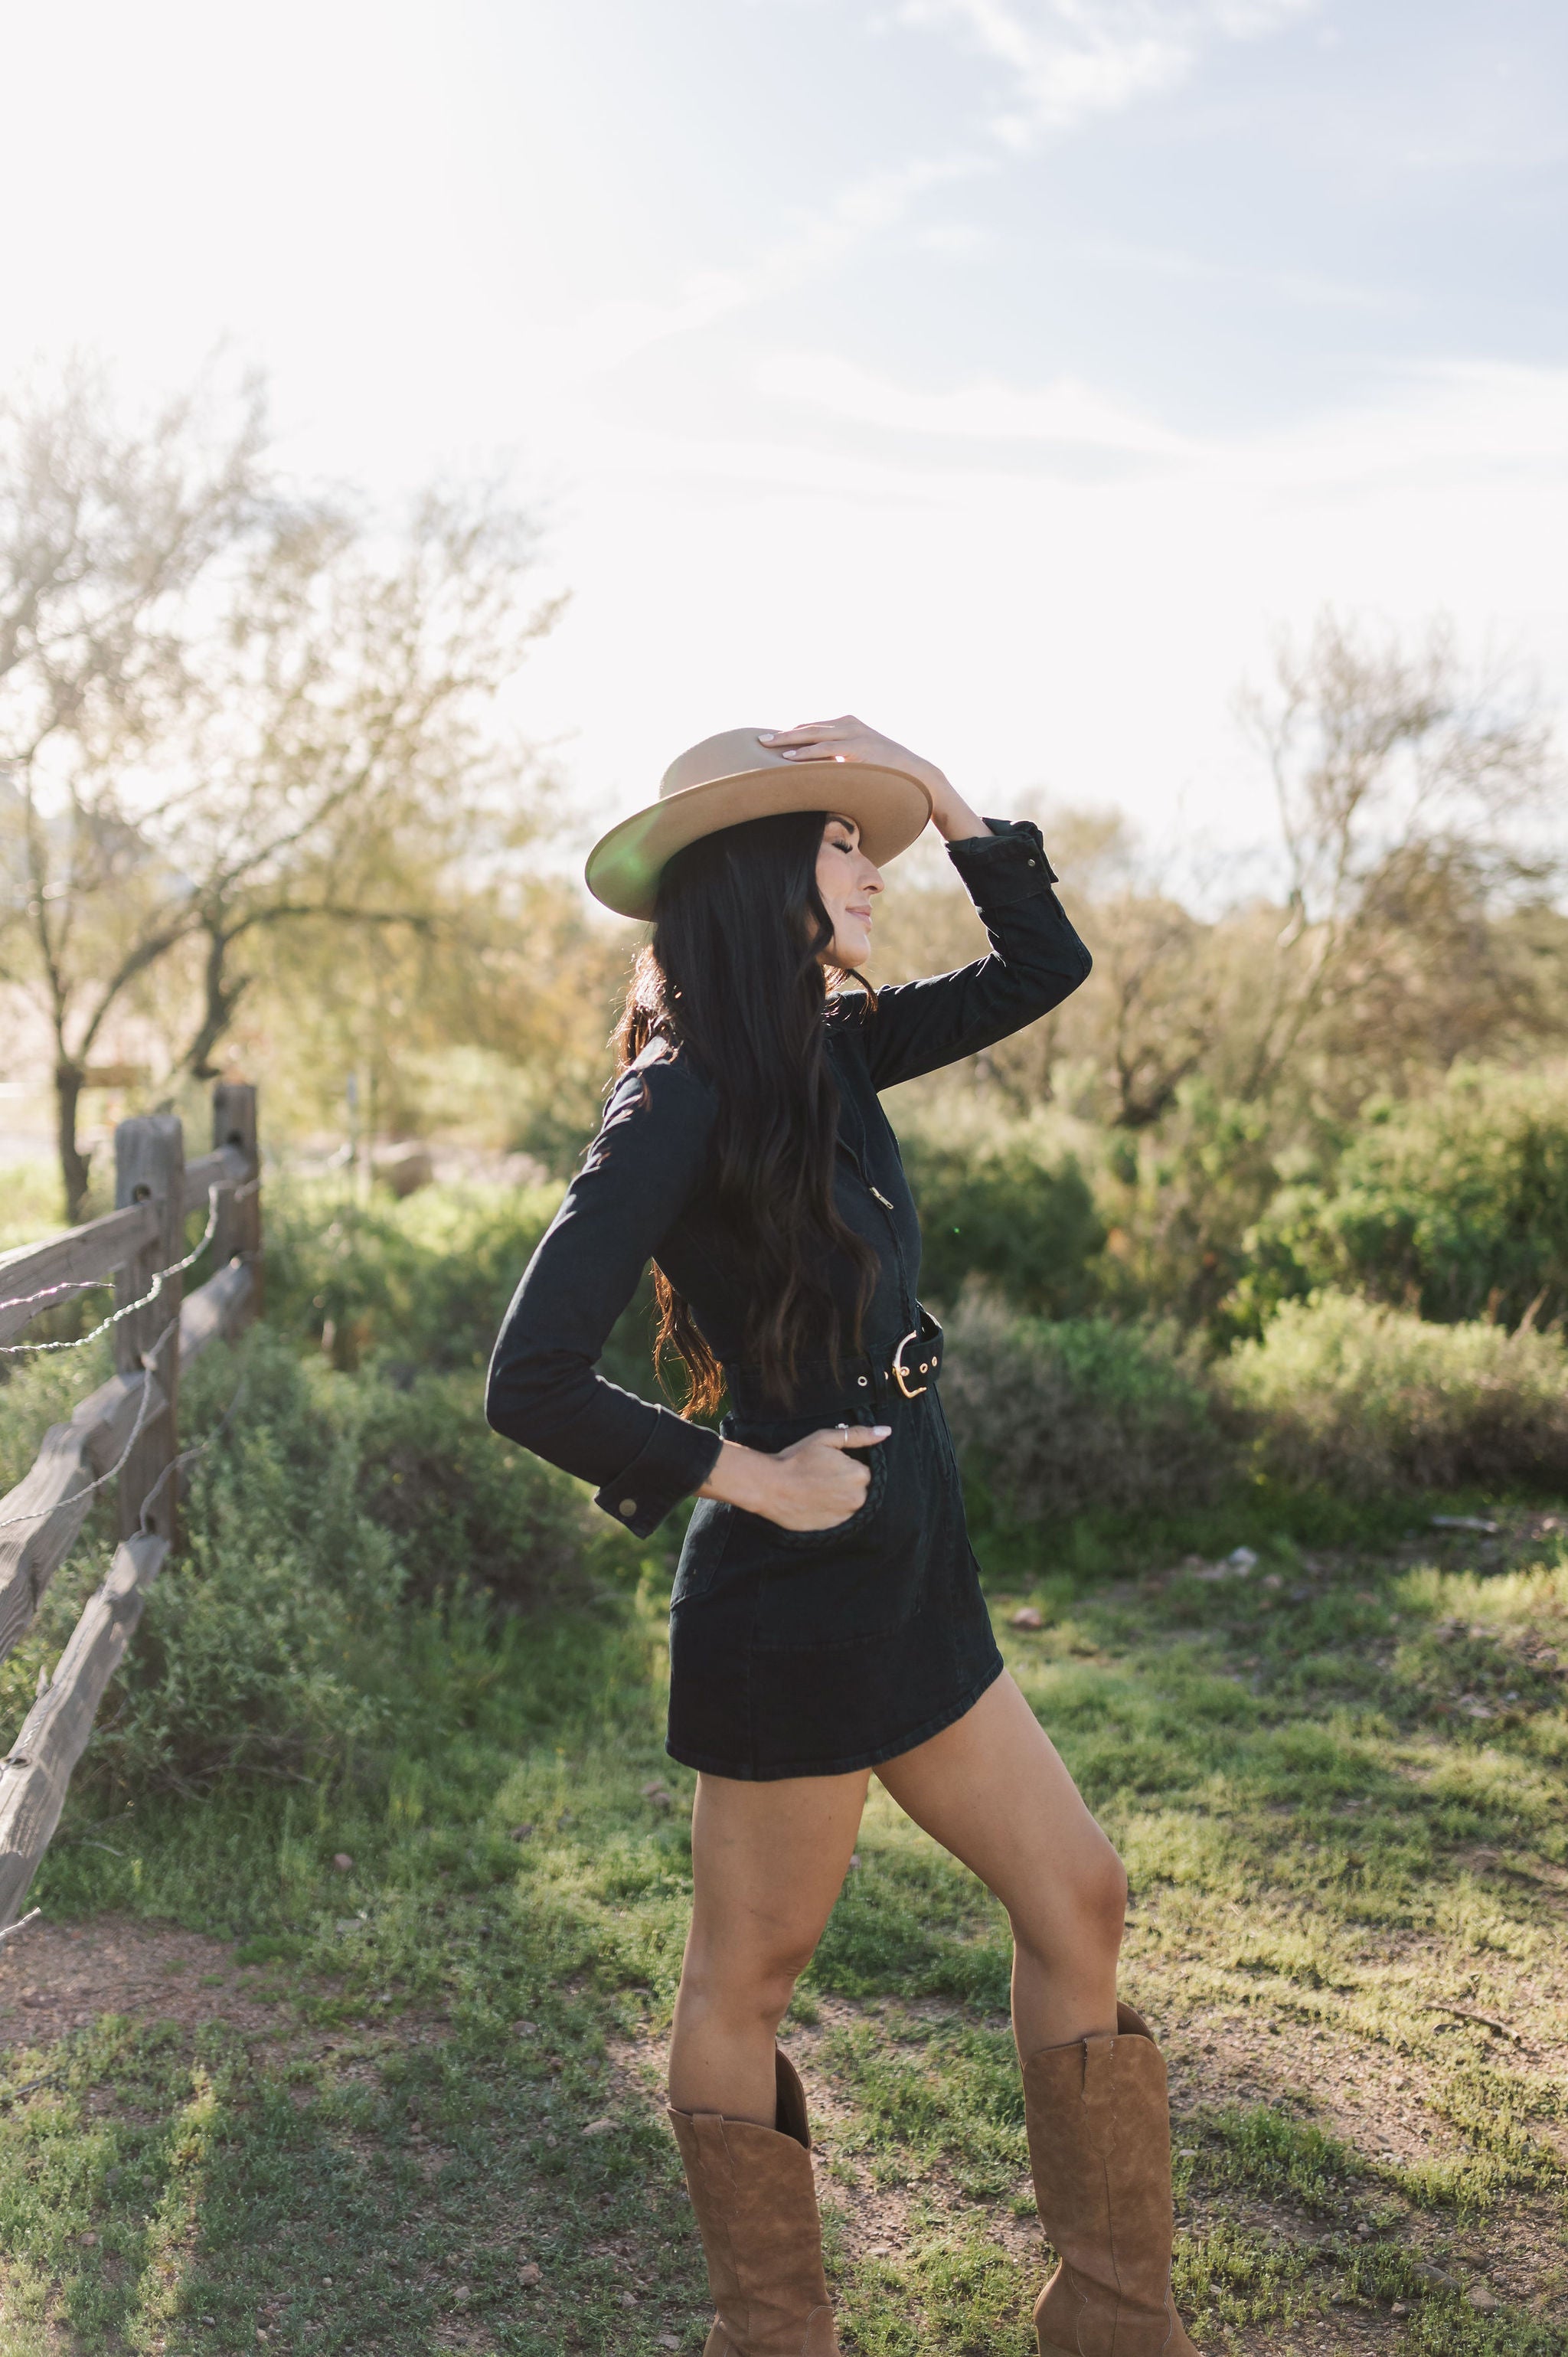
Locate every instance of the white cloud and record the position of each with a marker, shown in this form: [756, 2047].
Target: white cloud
[1069, 60]
[1445, 422]
[602, 337]
[1063, 412]
[1029, 621]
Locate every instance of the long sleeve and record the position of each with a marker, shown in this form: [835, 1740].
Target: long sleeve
[1036, 961]
[544, 1391]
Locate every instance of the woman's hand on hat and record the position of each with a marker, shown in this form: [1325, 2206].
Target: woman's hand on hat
[812, 1485]
[848, 740]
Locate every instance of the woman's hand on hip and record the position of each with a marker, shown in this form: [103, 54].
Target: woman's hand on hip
[812, 1485]
[848, 740]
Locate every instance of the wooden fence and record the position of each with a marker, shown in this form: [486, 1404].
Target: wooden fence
[125, 1433]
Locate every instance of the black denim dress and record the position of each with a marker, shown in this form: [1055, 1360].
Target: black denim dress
[791, 1653]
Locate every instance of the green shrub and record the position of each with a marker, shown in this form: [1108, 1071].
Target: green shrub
[1455, 1204]
[1007, 1214]
[264, 1643]
[329, 1510]
[1368, 1398]
[461, 1503]
[1055, 1418]
[428, 1279]
[1181, 1203]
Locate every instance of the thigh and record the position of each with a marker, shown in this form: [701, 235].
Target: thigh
[993, 1790]
[768, 1862]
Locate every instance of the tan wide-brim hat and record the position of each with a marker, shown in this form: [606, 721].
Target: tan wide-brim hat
[734, 776]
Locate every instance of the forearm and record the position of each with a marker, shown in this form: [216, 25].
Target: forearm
[748, 1478]
[1037, 960]
[951, 814]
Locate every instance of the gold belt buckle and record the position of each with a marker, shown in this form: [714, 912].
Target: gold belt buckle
[901, 1373]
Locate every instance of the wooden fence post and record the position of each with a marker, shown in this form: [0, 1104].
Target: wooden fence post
[149, 1167]
[238, 1232]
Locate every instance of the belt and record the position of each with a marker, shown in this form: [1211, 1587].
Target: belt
[894, 1370]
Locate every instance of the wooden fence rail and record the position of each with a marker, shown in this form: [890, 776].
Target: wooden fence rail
[128, 1428]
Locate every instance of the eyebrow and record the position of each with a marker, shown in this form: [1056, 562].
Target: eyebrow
[847, 824]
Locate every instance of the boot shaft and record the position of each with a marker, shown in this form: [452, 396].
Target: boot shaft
[756, 2205]
[1099, 2127]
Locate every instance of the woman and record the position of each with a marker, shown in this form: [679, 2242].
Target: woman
[827, 1618]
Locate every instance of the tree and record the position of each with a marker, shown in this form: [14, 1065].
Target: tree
[107, 534]
[283, 723]
[341, 769]
[1406, 785]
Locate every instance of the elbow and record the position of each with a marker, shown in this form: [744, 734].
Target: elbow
[514, 1397]
[536, 1396]
[1066, 972]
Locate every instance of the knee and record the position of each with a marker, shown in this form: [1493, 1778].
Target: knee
[744, 1978]
[1101, 1899]
[1084, 1912]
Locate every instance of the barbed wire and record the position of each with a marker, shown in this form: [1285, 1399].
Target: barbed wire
[9, 1933]
[42, 1513]
[48, 1291]
[93, 1283]
[196, 1448]
[175, 1268]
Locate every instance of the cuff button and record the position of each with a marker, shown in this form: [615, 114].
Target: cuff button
[628, 1505]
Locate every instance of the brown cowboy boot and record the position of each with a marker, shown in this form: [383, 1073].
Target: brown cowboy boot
[757, 2210]
[1100, 2148]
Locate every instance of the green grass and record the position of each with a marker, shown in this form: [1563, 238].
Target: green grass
[354, 2118]
[1302, 1796]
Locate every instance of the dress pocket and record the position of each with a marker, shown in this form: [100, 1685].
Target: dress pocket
[776, 1435]
[870, 1506]
[703, 1551]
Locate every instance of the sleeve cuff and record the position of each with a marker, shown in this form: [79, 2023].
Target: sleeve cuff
[1009, 864]
[676, 1458]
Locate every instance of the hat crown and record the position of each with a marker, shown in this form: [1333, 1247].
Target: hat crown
[731, 754]
[732, 778]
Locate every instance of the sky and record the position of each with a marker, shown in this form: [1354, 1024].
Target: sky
[1010, 373]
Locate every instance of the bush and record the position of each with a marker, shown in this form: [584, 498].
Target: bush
[1455, 1204]
[1182, 1204]
[264, 1642]
[1007, 1214]
[461, 1503]
[1055, 1418]
[428, 1279]
[277, 1639]
[1369, 1398]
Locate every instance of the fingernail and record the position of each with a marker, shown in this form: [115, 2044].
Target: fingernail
[766, 736]
[882, 1430]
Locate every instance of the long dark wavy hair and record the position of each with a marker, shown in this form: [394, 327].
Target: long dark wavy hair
[733, 975]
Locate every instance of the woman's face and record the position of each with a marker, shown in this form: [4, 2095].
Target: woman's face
[848, 884]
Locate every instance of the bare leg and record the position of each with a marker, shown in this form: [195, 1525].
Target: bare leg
[768, 1863]
[993, 1790]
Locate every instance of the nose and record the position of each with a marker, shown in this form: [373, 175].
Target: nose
[870, 878]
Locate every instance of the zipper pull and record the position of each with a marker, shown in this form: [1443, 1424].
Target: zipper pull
[884, 1200]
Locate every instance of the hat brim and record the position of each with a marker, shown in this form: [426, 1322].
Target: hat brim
[624, 866]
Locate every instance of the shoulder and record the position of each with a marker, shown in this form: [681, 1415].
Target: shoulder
[666, 1072]
[661, 1095]
[847, 1012]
